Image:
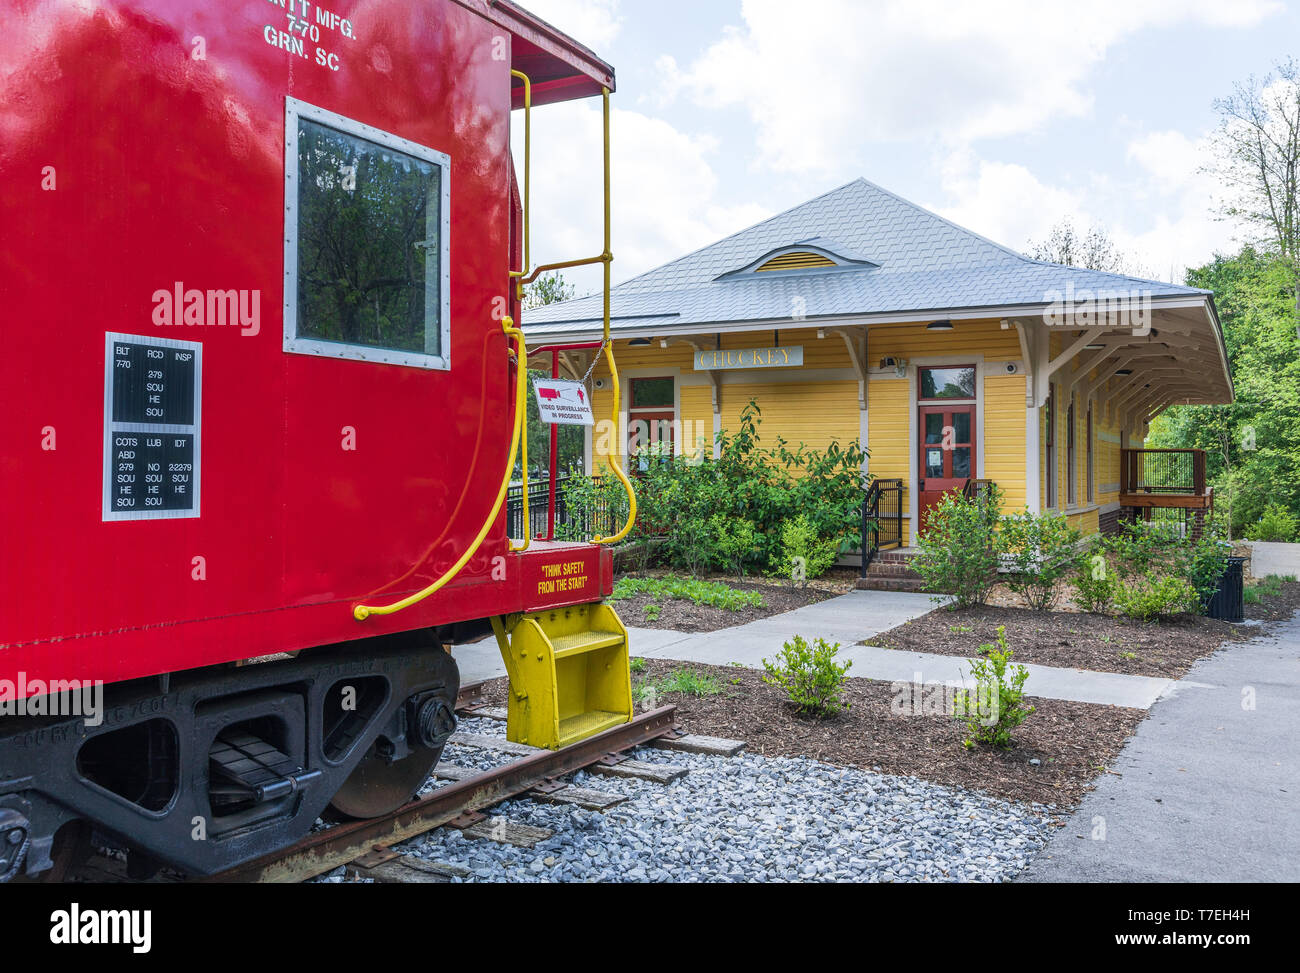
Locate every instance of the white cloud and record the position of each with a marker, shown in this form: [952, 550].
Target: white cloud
[1157, 209]
[594, 23]
[843, 72]
[664, 190]
[1004, 202]
[1183, 230]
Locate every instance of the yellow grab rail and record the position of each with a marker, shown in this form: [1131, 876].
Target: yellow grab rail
[607, 258]
[362, 612]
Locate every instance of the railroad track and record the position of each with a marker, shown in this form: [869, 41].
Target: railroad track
[367, 846]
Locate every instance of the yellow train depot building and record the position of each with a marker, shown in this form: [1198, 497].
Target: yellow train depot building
[859, 315]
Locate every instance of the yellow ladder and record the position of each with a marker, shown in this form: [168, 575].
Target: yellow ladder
[569, 674]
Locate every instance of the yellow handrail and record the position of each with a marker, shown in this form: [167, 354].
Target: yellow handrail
[362, 612]
[608, 258]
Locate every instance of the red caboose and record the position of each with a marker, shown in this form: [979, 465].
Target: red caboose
[259, 263]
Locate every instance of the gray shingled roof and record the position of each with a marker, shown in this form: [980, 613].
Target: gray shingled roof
[921, 262]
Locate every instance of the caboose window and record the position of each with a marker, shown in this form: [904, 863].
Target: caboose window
[367, 269]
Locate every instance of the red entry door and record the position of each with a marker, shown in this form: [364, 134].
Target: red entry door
[947, 453]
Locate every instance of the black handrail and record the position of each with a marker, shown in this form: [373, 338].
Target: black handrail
[882, 519]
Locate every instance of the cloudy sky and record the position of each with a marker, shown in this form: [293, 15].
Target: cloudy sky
[1004, 116]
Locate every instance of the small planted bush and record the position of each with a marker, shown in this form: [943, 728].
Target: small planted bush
[1040, 551]
[996, 707]
[810, 676]
[803, 554]
[1157, 599]
[735, 542]
[959, 549]
[1092, 583]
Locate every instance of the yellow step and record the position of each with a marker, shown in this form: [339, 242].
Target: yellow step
[580, 642]
[569, 674]
[588, 724]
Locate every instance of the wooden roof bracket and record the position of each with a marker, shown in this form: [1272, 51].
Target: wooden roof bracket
[859, 365]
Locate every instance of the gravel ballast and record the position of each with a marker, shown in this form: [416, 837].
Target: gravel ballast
[748, 819]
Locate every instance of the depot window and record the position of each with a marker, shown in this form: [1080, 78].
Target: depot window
[367, 262]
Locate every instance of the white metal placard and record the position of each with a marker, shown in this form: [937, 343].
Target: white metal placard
[563, 403]
[152, 420]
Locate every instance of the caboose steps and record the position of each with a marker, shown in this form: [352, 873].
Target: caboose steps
[569, 674]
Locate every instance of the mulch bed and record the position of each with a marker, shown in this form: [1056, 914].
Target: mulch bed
[1068, 640]
[1279, 609]
[681, 615]
[1073, 742]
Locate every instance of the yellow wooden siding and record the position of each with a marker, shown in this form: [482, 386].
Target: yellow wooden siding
[1004, 437]
[890, 436]
[890, 430]
[697, 419]
[813, 413]
[985, 338]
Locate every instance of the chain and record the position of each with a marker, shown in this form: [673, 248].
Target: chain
[595, 359]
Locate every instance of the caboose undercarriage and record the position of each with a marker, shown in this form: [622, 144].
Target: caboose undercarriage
[228, 763]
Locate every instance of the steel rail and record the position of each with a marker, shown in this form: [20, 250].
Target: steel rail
[327, 850]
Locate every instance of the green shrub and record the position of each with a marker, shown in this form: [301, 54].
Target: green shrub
[804, 555]
[1093, 583]
[735, 541]
[1040, 550]
[959, 551]
[760, 483]
[1156, 599]
[998, 706]
[810, 676]
[1275, 524]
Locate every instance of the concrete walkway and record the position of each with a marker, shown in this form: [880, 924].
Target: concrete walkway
[1279, 559]
[849, 620]
[1208, 790]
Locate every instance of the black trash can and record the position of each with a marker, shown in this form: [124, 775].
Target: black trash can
[1228, 603]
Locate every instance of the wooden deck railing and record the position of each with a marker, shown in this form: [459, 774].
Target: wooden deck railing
[1164, 478]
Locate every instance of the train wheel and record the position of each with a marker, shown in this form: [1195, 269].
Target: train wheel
[379, 786]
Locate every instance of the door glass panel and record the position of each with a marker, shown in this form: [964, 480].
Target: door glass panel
[961, 462]
[961, 427]
[933, 429]
[934, 463]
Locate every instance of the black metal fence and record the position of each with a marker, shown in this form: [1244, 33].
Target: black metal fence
[572, 521]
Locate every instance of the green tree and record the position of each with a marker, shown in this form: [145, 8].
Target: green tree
[1253, 444]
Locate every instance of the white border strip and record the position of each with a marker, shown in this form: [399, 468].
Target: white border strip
[293, 110]
[111, 428]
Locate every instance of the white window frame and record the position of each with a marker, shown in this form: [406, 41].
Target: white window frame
[293, 111]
